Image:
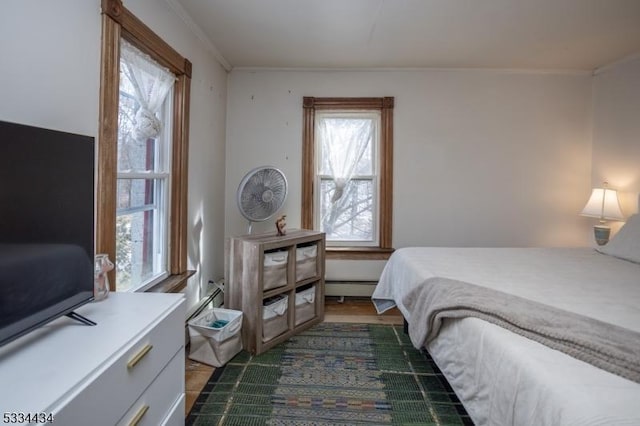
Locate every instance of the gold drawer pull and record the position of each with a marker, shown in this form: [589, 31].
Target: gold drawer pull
[139, 415]
[138, 357]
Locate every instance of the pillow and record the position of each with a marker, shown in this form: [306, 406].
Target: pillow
[626, 243]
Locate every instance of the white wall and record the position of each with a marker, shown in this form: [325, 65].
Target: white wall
[50, 78]
[481, 158]
[616, 140]
[50, 64]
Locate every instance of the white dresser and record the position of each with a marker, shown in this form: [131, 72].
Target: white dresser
[129, 368]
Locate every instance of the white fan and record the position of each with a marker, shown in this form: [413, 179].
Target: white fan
[261, 193]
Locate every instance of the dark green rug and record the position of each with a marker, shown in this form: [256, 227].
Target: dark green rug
[331, 374]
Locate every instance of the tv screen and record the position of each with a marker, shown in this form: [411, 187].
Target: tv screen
[46, 226]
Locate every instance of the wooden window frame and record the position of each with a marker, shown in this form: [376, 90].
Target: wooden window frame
[117, 23]
[385, 106]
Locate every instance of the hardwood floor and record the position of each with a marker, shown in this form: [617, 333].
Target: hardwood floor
[351, 309]
[358, 310]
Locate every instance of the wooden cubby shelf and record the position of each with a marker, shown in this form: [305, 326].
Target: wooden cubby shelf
[261, 270]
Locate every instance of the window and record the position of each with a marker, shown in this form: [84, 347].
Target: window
[347, 177]
[142, 169]
[142, 210]
[347, 174]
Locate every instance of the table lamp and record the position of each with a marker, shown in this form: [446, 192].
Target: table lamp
[604, 205]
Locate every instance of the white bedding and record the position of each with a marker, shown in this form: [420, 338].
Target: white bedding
[504, 378]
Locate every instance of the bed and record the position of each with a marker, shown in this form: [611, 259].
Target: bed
[528, 336]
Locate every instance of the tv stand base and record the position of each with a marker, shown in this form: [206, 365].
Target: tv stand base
[80, 318]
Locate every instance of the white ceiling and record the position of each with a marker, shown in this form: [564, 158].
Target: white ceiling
[513, 34]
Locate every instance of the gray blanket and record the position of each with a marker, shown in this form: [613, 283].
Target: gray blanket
[609, 347]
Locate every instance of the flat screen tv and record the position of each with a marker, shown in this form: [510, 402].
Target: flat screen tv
[46, 226]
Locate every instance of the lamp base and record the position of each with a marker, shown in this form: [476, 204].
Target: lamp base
[602, 234]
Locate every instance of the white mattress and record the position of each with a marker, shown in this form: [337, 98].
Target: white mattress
[504, 378]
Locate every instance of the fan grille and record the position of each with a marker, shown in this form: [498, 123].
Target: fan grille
[261, 193]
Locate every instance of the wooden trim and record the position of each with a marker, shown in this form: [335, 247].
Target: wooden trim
[108, 142]
[113, 9]
[386, 174]
[385, 105]
[358, 253]
[173, 283]
[344, 103]
[140, 35]
[179, 184]
[117, 23]
[308, 162]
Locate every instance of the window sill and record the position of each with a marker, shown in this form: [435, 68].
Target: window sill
[172, 284]
[358, 253]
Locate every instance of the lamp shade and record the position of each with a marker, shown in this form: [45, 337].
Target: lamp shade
[603, 204]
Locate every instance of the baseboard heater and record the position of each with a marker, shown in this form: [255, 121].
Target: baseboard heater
[198, 308]
[202, 304]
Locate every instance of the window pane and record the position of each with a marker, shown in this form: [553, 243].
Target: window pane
[137, 258]
[140, 235]
[133, 155]
[349, 218]
[142, 215]
[346, 146]
[133, 193]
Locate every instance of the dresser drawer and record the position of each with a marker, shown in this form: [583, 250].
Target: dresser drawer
[157, 402]
[176, 413]
[109, 392]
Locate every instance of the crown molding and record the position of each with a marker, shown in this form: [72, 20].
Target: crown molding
[418, 69]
